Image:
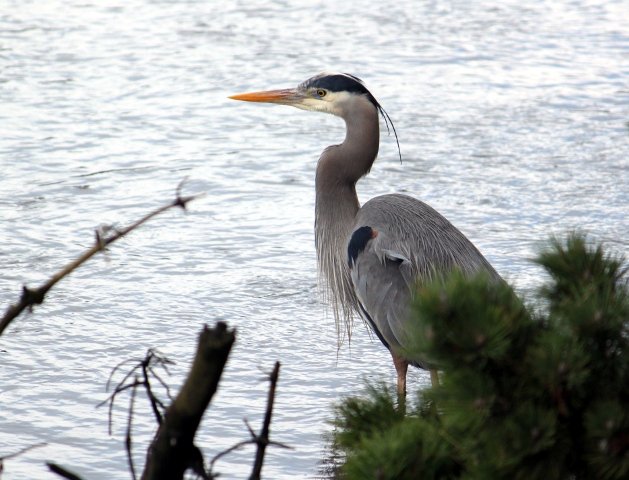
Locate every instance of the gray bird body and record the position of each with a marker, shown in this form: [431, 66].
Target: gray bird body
[413, 244]
[372, 257]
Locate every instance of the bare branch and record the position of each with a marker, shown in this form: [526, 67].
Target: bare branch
[229, 450]
[31, 297]
[161, 381]
[251, 432]
[146, 367]
[263, 439]
[115, 369]
[128, 446]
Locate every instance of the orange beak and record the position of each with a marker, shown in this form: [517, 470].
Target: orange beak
[288, 96]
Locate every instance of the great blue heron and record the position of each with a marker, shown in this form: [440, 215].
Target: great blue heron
[371, 257]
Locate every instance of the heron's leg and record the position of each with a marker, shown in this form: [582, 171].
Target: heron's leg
[434, 378]
[401, 366]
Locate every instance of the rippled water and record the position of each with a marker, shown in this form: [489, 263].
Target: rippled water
[512, 118]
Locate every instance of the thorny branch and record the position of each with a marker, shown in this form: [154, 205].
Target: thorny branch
[18, 453]
[104, 237]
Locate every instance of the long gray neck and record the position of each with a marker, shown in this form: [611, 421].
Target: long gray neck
[336, 206]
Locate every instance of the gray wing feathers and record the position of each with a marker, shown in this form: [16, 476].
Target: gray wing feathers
[421, 235]
[413, 244]
[383, 290]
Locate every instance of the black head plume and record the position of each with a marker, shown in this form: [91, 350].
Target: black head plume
[345, 82]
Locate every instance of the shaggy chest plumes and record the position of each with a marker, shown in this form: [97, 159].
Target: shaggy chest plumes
[333, 225]
[336, 207]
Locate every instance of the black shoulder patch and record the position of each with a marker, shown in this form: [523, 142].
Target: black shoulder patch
[358, 242]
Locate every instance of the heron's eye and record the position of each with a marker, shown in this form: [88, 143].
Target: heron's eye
[321, 93]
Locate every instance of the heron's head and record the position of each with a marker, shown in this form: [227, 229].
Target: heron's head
[335, 93]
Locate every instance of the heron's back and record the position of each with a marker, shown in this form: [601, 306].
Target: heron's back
[423, 235]
[411, 243]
